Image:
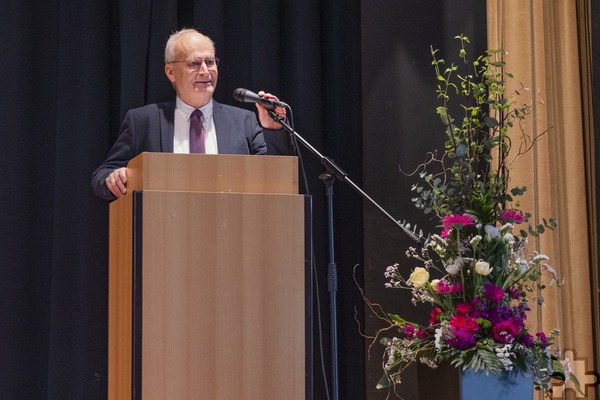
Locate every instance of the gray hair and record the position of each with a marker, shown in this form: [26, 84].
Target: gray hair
[170, 47]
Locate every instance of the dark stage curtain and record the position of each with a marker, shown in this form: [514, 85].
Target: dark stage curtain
[70, 70]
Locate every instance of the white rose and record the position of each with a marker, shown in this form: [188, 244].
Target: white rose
[419, 277]
[434, 284]
[506, 228]
[483, 268]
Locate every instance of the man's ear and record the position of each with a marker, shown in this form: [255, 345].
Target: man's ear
[170, 72]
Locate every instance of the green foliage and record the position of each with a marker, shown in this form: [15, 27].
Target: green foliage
[477, 112]
[537, 230]
[479, 359]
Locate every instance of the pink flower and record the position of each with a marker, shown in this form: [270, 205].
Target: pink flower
[511, 216]
[444, 286]
[445, 233]
[506, 331]
[458, 221]
[421, 334]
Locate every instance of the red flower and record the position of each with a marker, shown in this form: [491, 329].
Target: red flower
[464, 308]
[434, 314]
[464, 323]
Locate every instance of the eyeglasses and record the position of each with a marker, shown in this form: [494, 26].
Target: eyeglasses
[196, 64]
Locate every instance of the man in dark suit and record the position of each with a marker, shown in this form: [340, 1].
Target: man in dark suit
[192, 68]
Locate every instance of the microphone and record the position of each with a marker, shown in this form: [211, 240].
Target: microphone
[246, 96]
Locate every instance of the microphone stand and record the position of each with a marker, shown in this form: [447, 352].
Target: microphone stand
[333, 172]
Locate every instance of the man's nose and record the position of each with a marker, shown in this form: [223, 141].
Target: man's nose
[203, 66]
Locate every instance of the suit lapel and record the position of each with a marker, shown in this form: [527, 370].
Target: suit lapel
[167, 126]
[222, 128]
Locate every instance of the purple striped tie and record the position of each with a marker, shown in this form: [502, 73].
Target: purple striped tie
[197, 133]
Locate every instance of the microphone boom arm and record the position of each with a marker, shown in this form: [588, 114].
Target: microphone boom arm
[338, 173]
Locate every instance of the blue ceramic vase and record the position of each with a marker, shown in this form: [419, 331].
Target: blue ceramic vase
[502, 386]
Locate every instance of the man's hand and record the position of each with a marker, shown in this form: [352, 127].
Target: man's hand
[116, 182]
[263, 115]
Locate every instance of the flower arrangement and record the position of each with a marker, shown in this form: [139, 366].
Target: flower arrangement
[487, 278]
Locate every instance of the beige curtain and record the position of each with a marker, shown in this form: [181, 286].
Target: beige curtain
[547, 43]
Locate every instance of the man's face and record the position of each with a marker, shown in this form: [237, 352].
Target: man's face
[194, 87]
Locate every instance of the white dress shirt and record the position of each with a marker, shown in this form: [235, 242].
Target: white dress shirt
[181, 136]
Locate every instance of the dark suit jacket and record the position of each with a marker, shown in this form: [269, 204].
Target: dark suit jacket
[150, 129]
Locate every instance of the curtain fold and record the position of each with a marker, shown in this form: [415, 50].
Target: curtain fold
[546, 44]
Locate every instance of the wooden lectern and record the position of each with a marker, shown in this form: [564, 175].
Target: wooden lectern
[207, 280]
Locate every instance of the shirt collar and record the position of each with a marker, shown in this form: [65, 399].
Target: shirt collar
[185, 110]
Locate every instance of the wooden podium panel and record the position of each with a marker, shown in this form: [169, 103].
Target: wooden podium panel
[120, 299]
[206, 296]
[213, 173]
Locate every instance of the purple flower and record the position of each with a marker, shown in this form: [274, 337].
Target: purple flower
[493, 293]
[461, 339]
[514, 293]
[476, 302]
[523, 308]
[409, 330]
[526, 340]
[542, 337]
[520, 311]
[457, 221]
[477, 313]
[499, 314]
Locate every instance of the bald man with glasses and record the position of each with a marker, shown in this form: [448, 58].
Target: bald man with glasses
[193, 122]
